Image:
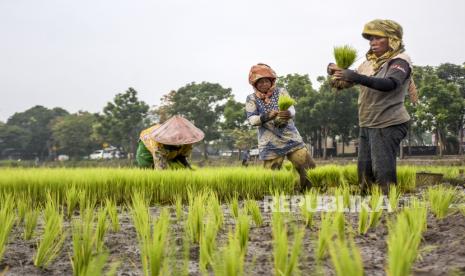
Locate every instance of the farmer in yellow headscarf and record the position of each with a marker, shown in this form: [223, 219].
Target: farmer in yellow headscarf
[385, 79]
[168, 145]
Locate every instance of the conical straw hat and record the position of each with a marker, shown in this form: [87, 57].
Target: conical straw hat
[177, 131]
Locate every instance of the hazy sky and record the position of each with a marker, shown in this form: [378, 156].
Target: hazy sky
[79, 54]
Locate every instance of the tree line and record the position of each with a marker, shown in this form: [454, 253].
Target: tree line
[321, 113]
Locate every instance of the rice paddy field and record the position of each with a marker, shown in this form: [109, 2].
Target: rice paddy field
[229, 221]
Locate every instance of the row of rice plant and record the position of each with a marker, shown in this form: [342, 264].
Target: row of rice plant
[121, 184]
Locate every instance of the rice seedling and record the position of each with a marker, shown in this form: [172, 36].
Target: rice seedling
[376, 202]
[309, 207]
[97, 265]
[30, 222]
[363, 220]
[216, 211]
[242, 231]
[404, 239]
[101, 229]
[7, 217]
[141, 219]
[285, 262]
[52, 239]
[178, 205]
[339, 224]
[72, 199]
[345, 257]
[234, 206]
[158, 242]
[194, 223]
[83, 242]
[22, 205]
[350, 175]
[253, 210]
[345, 56]
[230, 260]
[325, 233]
[406, 178]
[440, 198]
[284, 102]
[394, 196]
[112, 212]
[207, 246]
[326, 176]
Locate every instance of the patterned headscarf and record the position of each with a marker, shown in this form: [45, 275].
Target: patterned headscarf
[259, 71]
[384, 28]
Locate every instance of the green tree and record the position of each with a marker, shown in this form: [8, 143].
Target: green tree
[73, 134]
[297, 85]
[36, 121]
[201, 103]
[13, 139]
[122, 120]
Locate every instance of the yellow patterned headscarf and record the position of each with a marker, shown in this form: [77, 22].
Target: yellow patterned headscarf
[384, 28]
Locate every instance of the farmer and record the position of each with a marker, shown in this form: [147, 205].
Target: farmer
[277, 135]
[168, 145]
[245, 158]
[385, 79]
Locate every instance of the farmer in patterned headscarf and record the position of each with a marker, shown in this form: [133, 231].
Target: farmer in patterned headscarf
[277, 135]
[168, 145]
[385, 78]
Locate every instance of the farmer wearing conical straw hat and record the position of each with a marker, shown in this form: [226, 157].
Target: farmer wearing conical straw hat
[277, 135]
[168, 145]
[385, 79]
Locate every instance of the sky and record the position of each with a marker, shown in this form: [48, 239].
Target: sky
[79, 54]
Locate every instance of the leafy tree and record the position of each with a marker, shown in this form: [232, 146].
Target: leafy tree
[36, 121]
[122, 120]
[13, 139]
[202, 104]
[297, 85]
[73, 134]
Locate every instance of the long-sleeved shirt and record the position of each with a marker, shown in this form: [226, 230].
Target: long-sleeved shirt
[273, 140]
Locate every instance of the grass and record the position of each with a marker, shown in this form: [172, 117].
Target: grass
[440, 198]
[345, 56]
[285, 101]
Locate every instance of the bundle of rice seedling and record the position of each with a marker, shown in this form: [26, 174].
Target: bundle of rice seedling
[345, 56]
[284, 102]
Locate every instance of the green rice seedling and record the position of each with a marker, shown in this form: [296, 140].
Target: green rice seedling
[406, 178]
[97, 265]
[242, 231]
[345, 257]
[195, 217]
[158, 242]
[394, 196]
[83, 242]
[440, 198]
[101, 229]
[325, 233]
[254, 211]
[350, 175]
[309, 207]
[22, 205]
[52, 239]
[215, 209]
[230, 260]
[339, 224]
[296, 251]
[72, 200]
[345, 56]
[363, 220]
[326, 176]
[285, 101]
[207, 246]
[404, 238]
[141, 219]
[376, 202]
[234, 206]
[178, 205]
[7, 219]
[30, 222]
[112, 212]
